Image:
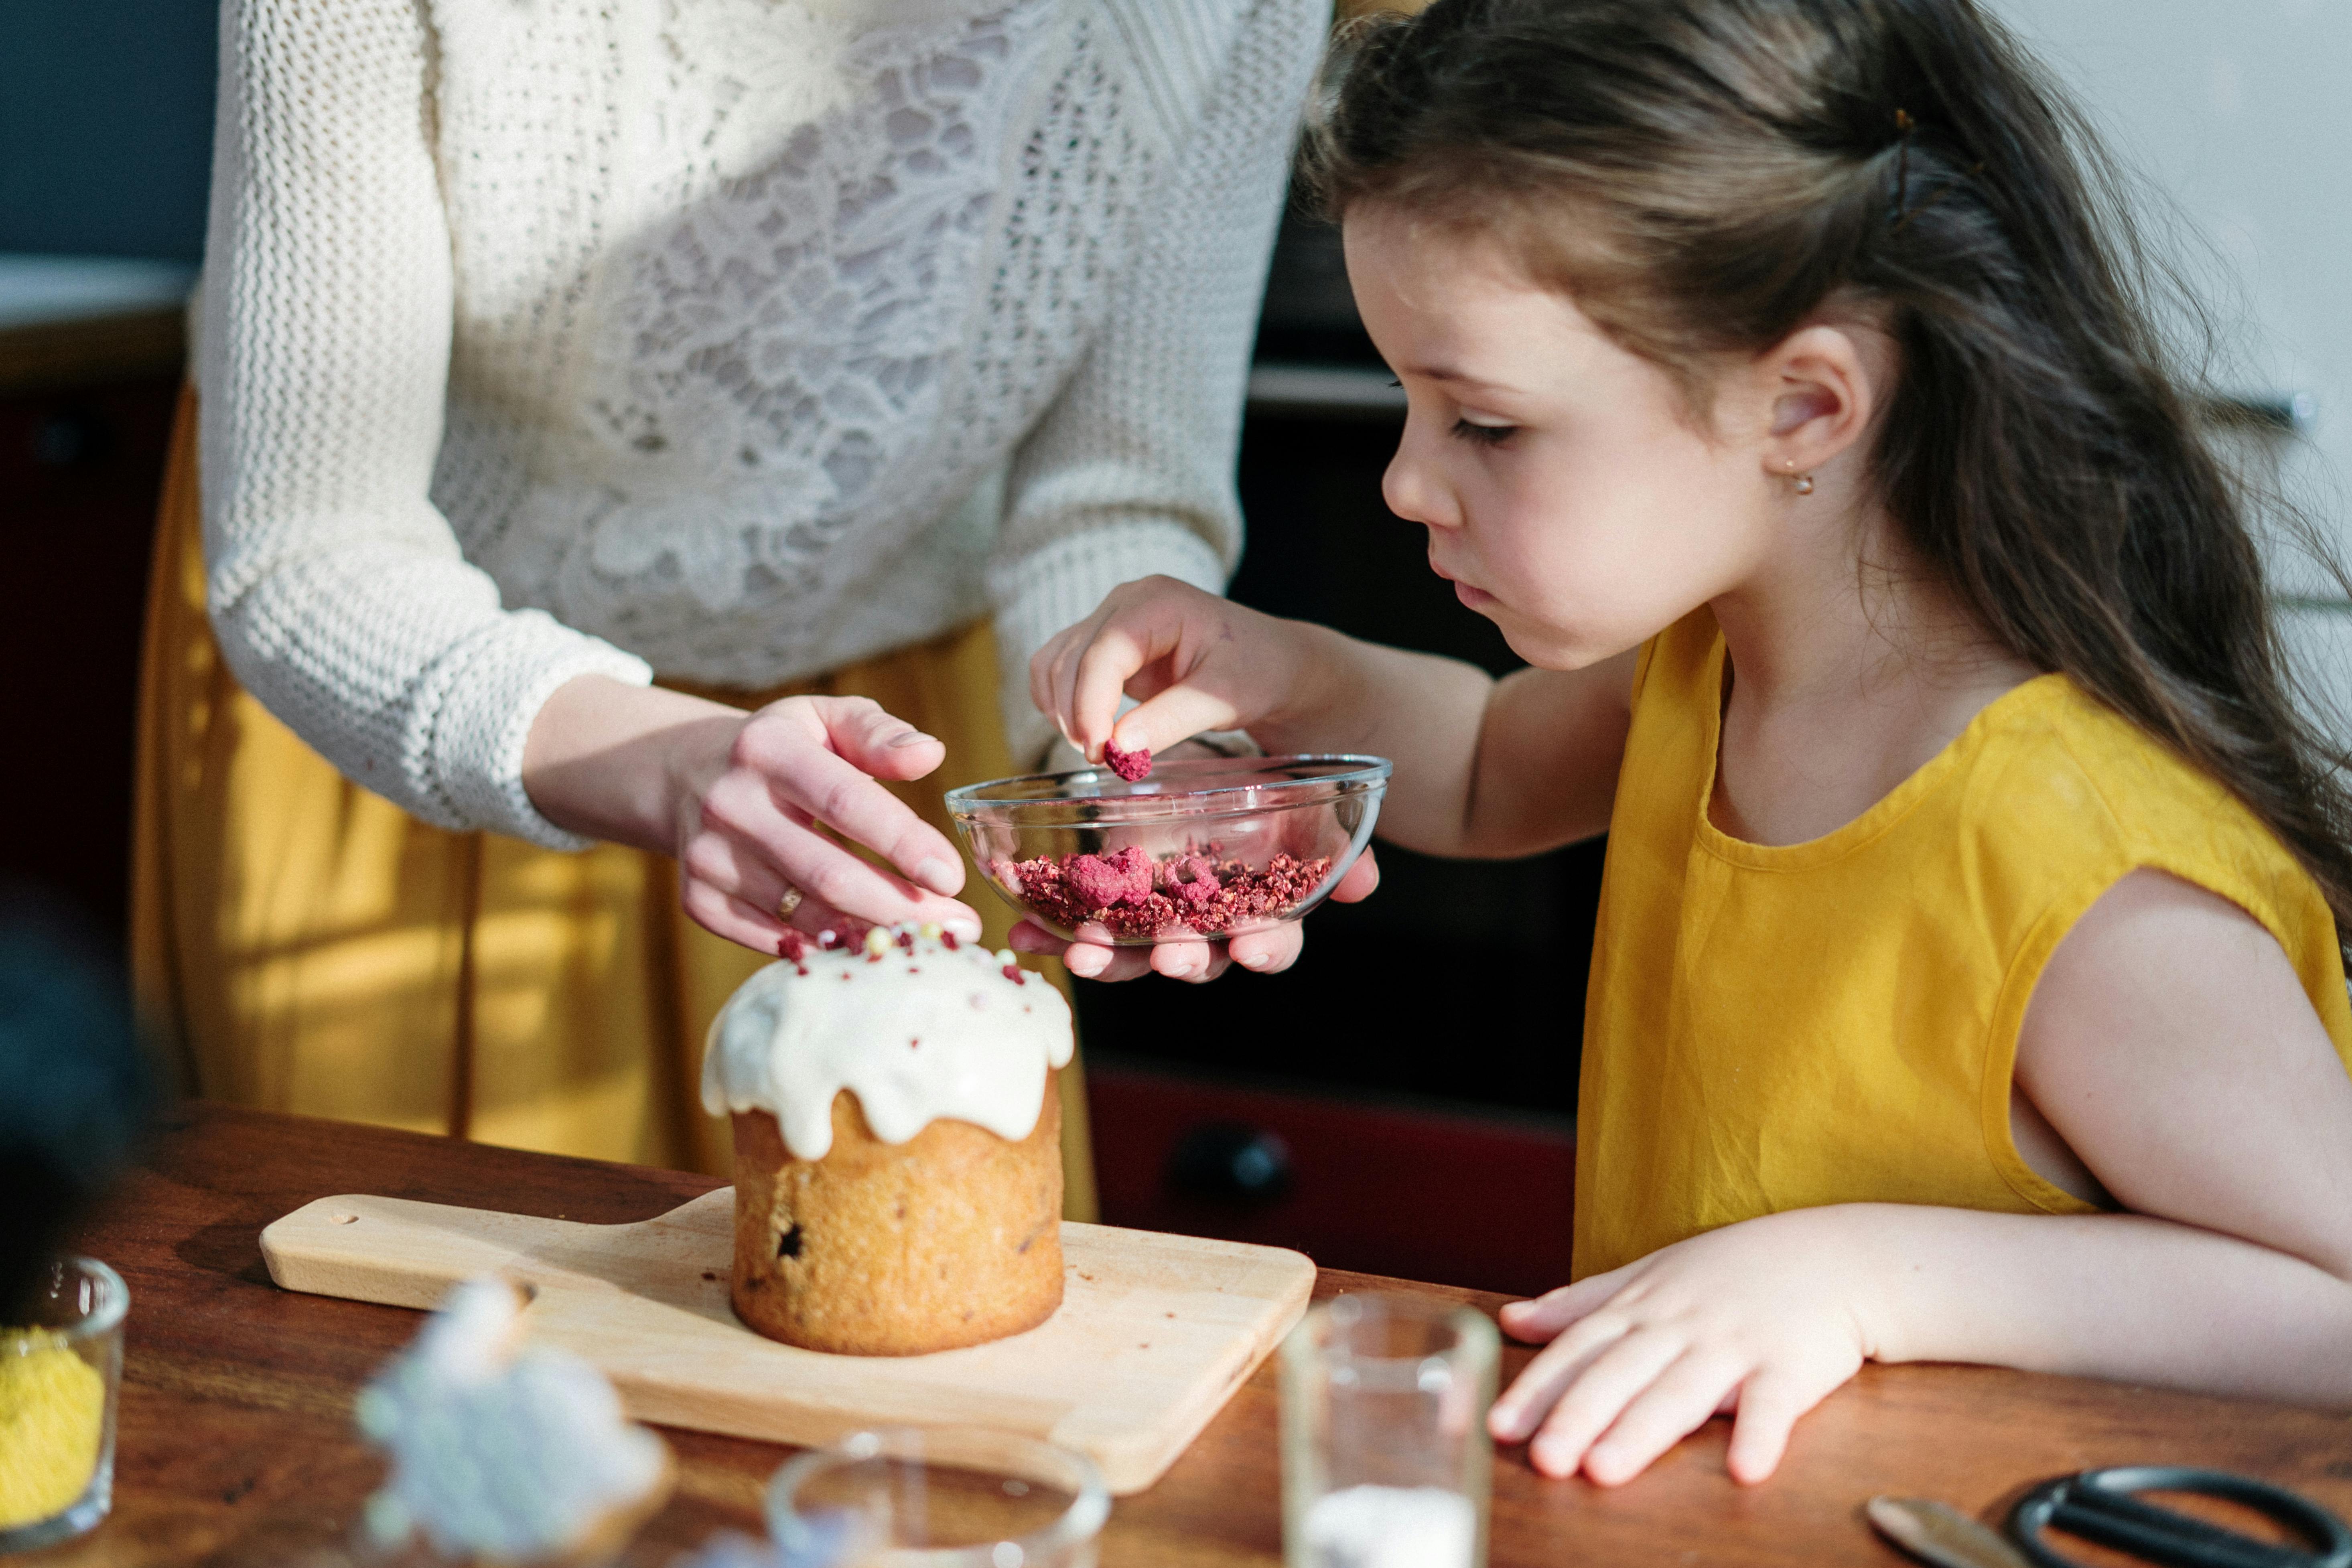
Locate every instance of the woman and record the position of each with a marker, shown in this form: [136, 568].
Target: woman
[595, 399]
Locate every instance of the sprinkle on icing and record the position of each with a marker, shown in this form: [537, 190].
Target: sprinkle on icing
[796, 1034]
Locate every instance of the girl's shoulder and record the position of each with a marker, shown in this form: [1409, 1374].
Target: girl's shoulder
[2059, 776]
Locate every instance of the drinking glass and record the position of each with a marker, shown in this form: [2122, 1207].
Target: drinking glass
[940, 1497]
[1385, 1457]
[62, 1370]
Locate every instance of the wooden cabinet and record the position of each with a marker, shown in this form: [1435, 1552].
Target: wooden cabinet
[1380, 1186]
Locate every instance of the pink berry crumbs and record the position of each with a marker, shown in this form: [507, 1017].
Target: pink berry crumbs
[1133, 896]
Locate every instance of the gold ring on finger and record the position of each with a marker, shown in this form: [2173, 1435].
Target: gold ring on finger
[789, 902]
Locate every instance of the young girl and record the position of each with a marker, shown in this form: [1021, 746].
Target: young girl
[1968, 984]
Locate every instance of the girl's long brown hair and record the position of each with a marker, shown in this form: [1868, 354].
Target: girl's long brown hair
[1705, 175]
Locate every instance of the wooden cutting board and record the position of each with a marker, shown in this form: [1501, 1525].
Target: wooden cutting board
[1153, 1335]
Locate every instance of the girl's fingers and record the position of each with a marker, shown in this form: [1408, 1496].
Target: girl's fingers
[1673, 1407]
[1540, 1382]
[1268, 952]
[1769, 1402]
[1114, 655]
[1362, 878]
[1178, 713]
[1182, 960]
[844, 798]
[1096, 960]
[1599, 1394]
[1554, 1310]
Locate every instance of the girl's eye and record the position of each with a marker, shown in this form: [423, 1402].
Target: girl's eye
[1484, 435]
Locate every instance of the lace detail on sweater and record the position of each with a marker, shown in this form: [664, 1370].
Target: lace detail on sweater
[804, 366]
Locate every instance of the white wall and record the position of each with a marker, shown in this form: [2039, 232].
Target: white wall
[2238, 112]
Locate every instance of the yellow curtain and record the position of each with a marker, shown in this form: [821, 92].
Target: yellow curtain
[309, 947]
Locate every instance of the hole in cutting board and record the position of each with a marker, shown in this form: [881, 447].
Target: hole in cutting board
[344, 1218]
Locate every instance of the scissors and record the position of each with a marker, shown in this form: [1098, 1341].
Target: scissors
[2104, 1507]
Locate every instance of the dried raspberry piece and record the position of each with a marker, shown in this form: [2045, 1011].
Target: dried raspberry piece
[791, 946]
[1128, 766]
[1103, 881]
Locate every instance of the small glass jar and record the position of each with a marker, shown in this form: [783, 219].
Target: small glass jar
[59, 1373]
[942, 1497]
[1385, 1458]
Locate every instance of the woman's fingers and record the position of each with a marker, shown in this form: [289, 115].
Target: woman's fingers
[738, 922]
[872, 739]
[1675, 1404]
[837, 793]
[751, 850]
[1594, 1398]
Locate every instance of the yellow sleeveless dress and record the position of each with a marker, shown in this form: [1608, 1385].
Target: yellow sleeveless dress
[1773, 1027]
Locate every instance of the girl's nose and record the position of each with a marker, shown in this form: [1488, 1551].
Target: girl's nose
[1414, 487]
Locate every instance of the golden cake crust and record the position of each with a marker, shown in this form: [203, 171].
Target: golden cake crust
[950, 1239]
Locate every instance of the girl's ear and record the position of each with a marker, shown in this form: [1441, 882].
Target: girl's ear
[1823, 383]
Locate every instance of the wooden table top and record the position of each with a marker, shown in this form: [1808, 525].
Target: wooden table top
[236, 1445]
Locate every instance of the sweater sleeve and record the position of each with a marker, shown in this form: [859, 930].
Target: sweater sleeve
[1131, 473]
[337, 592]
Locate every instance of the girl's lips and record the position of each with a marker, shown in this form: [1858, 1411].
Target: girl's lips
[1472, 598]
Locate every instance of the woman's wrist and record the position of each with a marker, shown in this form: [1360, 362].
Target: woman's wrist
[613, 761]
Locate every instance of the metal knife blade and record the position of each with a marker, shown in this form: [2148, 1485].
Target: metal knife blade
[1938, 1533]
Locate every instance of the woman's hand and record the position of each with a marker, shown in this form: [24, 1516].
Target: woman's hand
[1759, 1319]
[749, 804]
[1194, 662]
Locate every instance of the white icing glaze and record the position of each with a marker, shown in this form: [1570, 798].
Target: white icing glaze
[917, 1029]
[496, 1452]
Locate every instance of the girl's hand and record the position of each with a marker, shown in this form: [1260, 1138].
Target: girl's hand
[1263, 953]
[1758, 1320]
[749, 802]
[1194, 662]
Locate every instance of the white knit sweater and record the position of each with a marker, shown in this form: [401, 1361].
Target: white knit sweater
[730, 340]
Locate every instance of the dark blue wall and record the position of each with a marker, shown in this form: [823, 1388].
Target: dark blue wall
[106, 125]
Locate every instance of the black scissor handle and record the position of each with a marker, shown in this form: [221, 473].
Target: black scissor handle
[2103, 1506]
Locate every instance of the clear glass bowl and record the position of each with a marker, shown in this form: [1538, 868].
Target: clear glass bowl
[63, 1370]
[940, 1497]
[1200, 847]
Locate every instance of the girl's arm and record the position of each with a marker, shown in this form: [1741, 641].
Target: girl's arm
[1483, 767]
[2171, 1045]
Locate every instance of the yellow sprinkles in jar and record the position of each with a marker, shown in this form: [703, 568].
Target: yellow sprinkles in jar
[52, 1409]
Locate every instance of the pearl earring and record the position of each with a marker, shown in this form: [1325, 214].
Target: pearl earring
[1804, 484]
